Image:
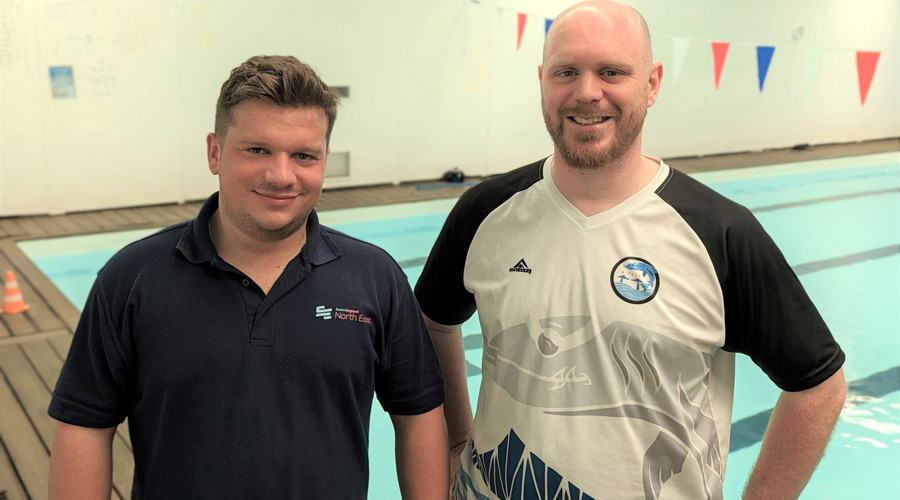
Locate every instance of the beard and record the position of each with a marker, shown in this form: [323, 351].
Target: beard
[244, 221]
[582, 152]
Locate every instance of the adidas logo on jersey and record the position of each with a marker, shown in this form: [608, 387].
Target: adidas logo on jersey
[520, 267]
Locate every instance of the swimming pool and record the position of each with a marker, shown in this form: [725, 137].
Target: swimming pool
[837, 222]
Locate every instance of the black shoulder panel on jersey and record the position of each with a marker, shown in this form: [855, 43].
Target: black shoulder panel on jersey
[768, 315]
[440, 289]
[707, 212]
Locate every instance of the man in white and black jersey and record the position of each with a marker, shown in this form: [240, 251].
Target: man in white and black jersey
[613, 293]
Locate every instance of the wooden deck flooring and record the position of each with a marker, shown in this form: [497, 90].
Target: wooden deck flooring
[33, 344]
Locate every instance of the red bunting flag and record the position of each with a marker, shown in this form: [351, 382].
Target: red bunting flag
[865, 69]
[522, 19]
[720, 50]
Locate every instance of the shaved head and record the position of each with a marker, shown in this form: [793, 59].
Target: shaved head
[607, 14]
[597, 81]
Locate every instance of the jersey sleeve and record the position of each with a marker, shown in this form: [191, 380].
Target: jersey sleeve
[440, 290]
[92, 387]
[770, 317]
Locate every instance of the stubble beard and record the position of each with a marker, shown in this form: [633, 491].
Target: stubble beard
[580, 154]
[244, 221]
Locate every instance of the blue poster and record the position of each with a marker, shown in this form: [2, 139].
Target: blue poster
[62, 82]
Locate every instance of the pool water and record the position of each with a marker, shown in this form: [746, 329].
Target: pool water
[838, 224]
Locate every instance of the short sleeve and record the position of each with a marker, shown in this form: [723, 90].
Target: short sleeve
[92, 389]
[409, 381]
[770, 317]
[440, 289]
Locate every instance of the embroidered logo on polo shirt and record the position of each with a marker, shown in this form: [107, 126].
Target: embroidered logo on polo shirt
[634, 280]
[323, 312]
[520, 267]
[342, 313]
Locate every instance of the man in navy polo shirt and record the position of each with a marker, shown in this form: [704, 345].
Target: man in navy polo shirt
[245, 346]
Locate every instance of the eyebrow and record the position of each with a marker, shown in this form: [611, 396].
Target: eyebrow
[245, 141]
[619, 63]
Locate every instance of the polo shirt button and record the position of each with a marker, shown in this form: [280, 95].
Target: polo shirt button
[245, 282]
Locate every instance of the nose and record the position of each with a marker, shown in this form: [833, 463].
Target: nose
[588, 88]
[280, 171]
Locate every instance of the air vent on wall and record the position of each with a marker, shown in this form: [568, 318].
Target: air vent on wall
[338, 164]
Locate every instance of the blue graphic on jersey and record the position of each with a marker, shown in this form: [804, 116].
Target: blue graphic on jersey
[648, 274]
[512, 473]
[465, 490]
[634, 280]
[570, 369]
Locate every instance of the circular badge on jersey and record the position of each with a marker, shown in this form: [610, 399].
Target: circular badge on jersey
[634, 280]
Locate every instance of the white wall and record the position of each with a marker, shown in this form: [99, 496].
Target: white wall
[433, 85]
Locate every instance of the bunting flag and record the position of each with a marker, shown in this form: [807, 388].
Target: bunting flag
[866, 61]
[812, 63]
[865, 69]
[679, 53]
[720, 50]
[522, 19]
[763, 59]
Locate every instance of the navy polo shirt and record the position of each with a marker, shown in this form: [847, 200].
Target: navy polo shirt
[233, 393]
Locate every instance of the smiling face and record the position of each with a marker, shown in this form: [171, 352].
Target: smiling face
[597, 82]
[271, 167]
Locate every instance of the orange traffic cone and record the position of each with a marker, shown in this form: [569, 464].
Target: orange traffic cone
[12, 297]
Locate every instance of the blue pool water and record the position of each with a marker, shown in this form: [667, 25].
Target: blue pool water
[838, 224]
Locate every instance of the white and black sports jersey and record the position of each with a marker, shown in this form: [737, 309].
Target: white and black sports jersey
[608, 362]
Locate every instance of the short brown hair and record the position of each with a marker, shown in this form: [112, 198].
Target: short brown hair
[281, 80]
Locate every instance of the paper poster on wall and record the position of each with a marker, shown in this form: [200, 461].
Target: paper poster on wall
[62, 82]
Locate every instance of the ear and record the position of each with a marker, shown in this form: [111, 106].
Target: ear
[540, 72]
[654, 82]
[212, 153]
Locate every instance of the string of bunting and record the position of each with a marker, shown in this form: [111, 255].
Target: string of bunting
[866, 61]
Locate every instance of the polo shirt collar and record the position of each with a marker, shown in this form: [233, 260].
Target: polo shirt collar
[196, 245]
